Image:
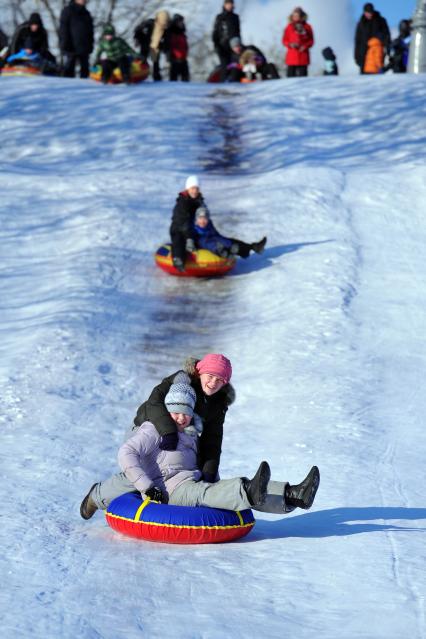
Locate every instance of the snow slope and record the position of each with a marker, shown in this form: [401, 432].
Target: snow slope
[326, 332]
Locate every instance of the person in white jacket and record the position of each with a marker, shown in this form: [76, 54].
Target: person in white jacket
[174, 477]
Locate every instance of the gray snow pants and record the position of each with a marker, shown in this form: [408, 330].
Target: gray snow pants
[226, 493]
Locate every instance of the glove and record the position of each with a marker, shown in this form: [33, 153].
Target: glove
[221, 250]
[103, 56]
[209, 478]
[169, 441]
[155, 494]
[190, 245]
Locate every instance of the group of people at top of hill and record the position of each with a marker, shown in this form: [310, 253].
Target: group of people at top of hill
[166, 35]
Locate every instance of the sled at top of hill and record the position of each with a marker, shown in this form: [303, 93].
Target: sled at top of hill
[20, 70]
[139, 71]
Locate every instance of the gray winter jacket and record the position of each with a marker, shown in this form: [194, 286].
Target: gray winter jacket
[146, 465]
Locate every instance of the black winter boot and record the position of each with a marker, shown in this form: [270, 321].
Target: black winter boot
[88, 506]
[256, 488]
[258, 247]
[178, 264]
[303, 495]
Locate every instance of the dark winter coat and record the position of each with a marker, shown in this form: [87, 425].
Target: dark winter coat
[209, 238]
[330, 64]
[212, 410]
[23, 37]
[142, 36]
[4, 40]
[226, 27]
[376, 27]
[184, 213]
[76, 30]
[301, 34]
[400, 48]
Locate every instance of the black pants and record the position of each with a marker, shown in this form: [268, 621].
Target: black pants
[297, 71]
[70, 62]
[108, 67]
[179, 70]
[269, 71]
[234, 75]
[178, 245]
[243, 248]
[224, 60]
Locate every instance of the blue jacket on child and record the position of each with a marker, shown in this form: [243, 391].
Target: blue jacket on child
[209, 238]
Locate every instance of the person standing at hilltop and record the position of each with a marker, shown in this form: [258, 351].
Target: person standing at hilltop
[371, 25]
[298, 38]
[226, 27]
[76, 37]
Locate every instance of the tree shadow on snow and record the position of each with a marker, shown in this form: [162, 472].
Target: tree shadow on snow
[339, 522]
[265, 259]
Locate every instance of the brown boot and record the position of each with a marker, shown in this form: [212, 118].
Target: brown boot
[88, 506]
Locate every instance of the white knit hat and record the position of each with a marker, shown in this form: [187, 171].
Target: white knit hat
[191, 181]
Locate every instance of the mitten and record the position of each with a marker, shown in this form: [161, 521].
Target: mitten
[189, 245]
[155, 494]
[169, 441]
[209, 478]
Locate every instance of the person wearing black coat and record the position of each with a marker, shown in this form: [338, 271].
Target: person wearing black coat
[32, 34]
[399, 49]
[370, 25]
[76, 37]
[226, 27]
[182, 226]
[211, 408]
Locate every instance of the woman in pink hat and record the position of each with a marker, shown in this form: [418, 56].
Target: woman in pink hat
[209, 377]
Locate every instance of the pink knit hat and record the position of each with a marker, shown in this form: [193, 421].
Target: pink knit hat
[215, 364]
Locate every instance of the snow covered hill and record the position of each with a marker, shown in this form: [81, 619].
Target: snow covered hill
[325, 330]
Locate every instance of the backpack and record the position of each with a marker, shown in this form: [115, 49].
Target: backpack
[142, 35]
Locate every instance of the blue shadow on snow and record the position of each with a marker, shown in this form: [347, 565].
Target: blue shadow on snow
[264, 260]
[338, 522]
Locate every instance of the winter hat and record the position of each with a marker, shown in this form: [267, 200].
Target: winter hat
[202, 211]
[328, 54]
[369, 7]
[215, 364]
[235, 42]
[109, 30]
[181, 398]
[191, 181]
[35, 18]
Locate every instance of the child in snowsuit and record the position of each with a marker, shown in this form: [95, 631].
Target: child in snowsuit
[330, 64]
[207, 237]
[182, 226]
[114, 52]
[375, 56]
[174, 477]
[178, 49]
